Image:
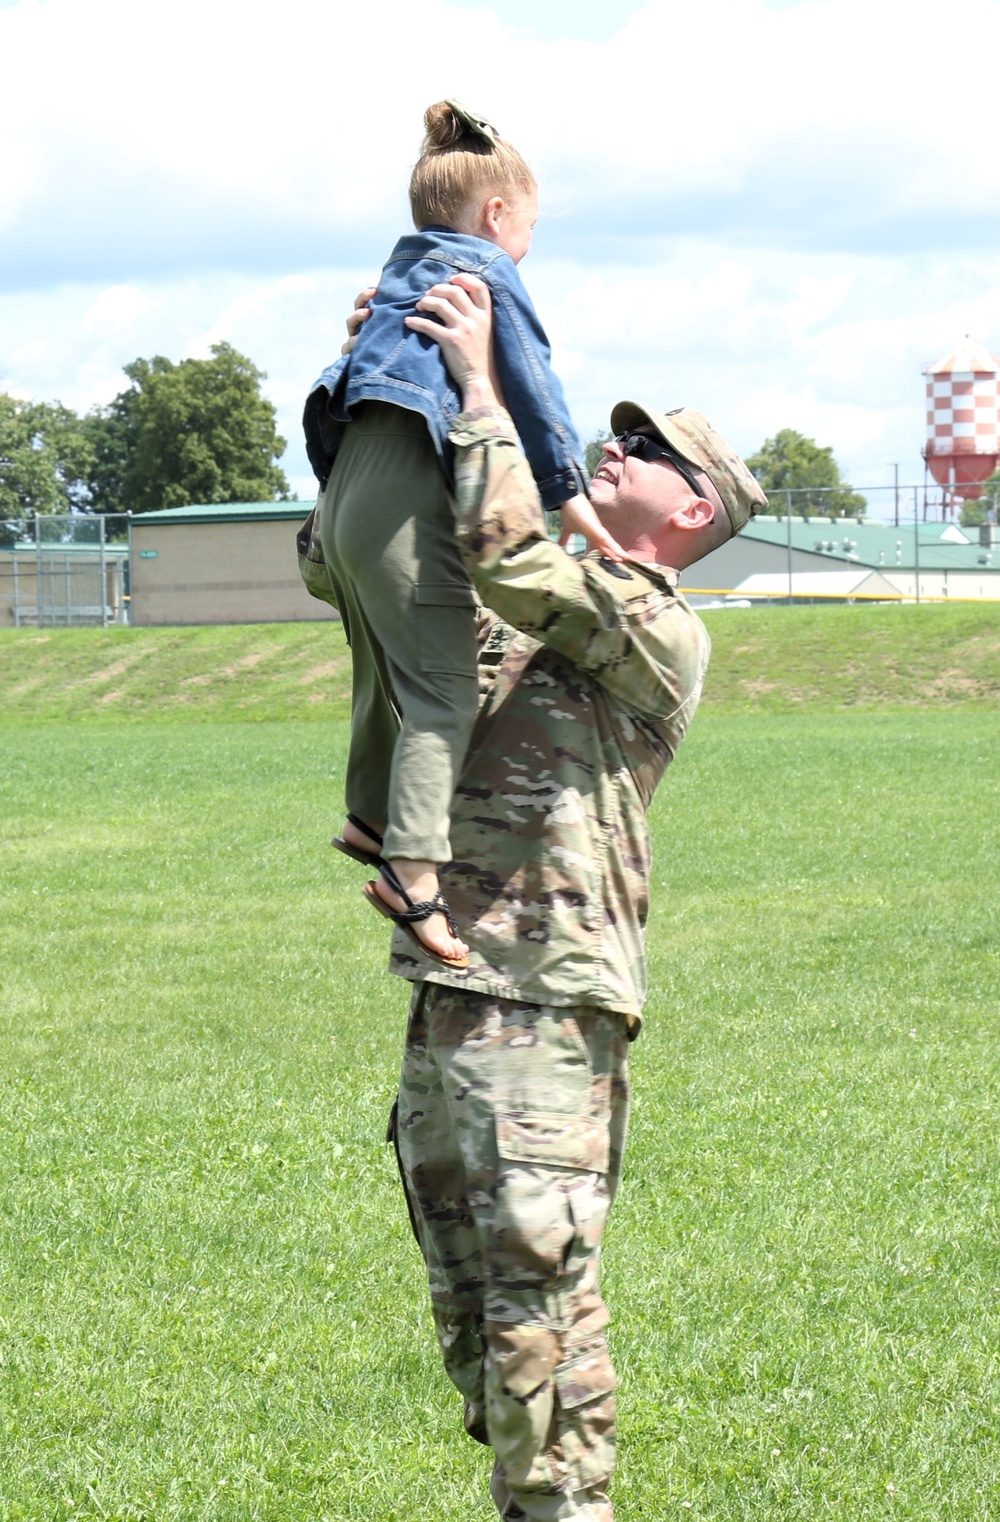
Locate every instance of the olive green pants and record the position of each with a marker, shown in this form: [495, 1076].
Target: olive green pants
[387, 526]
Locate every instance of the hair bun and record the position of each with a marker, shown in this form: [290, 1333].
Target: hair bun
[441, 125]
[447, 124]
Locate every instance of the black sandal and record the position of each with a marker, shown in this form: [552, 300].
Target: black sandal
[412, 914]
[358, 853]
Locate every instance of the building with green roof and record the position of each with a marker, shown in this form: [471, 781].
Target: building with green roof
[931, 560]
[220, 563]
[236, 563]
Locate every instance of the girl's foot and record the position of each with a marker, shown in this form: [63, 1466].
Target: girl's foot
[418, 882]
[360, 840]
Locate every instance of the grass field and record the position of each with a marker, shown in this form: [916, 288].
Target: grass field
[210, 1305]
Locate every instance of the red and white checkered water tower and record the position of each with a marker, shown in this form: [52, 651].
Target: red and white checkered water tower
[963, 419]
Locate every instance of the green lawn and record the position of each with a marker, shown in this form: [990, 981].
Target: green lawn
[210, 1304]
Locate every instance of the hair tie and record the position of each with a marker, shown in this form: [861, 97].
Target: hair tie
[477, 124]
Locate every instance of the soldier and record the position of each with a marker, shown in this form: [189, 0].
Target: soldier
[510, 1120]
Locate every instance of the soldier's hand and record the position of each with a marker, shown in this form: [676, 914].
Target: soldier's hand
[460, 319]
[362, 312]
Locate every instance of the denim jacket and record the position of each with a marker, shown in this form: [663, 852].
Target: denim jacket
[389, 363]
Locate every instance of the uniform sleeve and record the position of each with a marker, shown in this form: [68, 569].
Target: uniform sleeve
[632, 635]
[532, 390]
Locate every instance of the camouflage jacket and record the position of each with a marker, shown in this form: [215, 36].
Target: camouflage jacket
[589, 674]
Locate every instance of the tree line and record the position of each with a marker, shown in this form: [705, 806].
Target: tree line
[200, 431]
[197, 431]
[792, 462]
[788, 461]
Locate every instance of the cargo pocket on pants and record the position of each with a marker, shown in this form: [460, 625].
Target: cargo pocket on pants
[549, 1182]
[586, 1416]
[446, 628]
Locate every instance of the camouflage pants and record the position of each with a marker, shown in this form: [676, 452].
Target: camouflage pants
[509, 1127]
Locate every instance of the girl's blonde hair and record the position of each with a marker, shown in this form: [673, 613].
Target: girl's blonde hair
[462, 156]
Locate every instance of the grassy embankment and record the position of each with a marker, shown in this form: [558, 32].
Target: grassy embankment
[210, 1306]
[764, 660]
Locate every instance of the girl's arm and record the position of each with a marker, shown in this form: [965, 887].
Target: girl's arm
[534, 394]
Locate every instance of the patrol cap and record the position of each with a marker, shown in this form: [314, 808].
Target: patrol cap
[695, 440]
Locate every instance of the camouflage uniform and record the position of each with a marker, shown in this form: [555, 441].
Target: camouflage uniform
[513, 1100]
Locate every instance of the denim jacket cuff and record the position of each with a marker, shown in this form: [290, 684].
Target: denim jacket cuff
[557, 489]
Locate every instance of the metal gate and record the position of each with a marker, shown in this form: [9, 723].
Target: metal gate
[64, 571]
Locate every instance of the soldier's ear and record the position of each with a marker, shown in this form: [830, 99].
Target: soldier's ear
[694, 515]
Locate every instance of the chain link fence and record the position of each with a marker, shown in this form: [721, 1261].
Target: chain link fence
[73, 569]
[64, 570]
[895, 544]
[900, 505]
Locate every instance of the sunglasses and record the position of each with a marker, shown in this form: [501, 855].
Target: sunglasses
[645, 448]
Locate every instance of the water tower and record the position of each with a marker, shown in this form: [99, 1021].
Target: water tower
[963, 420]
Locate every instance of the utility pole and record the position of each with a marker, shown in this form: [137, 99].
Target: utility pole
[896, 494]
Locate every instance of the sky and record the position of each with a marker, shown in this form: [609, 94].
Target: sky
[775, 211]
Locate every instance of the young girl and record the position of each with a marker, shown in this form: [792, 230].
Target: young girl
[377, 426]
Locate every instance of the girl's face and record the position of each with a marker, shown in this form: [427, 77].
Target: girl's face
[519, 224]
[509, 224]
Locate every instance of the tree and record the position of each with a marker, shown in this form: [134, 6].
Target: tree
[44, 458]
[974, 513]
[790, 461]
[112, 433]
[593, 450]
[198, 431]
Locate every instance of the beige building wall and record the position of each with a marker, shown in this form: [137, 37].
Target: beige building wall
[729, 565]
[219, 573]
[980, 585]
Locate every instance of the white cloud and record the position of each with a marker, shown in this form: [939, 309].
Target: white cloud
[205, 135]
[235, 316]
[775, 213]
[117, 307]
[830, 345]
